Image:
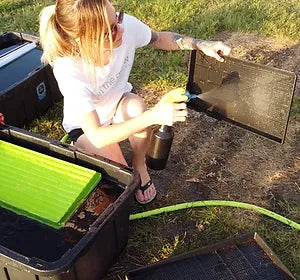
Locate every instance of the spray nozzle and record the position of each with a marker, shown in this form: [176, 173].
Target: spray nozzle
[190, 96]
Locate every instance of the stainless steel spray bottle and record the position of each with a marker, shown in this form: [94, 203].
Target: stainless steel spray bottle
[159, 147]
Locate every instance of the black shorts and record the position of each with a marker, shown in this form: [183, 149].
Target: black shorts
[74, 134]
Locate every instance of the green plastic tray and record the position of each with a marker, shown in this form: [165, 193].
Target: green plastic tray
[41, 187]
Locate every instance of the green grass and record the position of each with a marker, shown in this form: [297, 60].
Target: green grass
[203, 19]
[170, 234]
[197, 18]
[21, 15]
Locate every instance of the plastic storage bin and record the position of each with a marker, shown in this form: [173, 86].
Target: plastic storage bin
[245, 257]
[90, 241]
[27, 87]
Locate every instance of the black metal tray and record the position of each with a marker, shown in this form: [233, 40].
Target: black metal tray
[246, 257]
[252, 96]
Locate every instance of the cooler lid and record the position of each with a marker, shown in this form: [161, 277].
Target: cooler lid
[252, 96]
[19, 69]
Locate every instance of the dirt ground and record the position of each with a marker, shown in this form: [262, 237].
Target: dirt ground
[211, 159]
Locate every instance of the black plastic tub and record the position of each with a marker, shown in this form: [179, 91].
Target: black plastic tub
[27, 86]
[89, 242]
[246, 257]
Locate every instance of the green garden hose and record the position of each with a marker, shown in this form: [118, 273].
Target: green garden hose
[65, 138]
[206, 203]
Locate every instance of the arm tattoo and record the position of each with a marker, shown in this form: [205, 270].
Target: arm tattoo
[185, 43]
[154, 37]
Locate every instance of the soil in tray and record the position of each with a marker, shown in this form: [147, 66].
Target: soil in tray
[33, 239]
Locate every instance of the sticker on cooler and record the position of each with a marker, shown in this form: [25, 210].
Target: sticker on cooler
[1, 119]
[41, 91]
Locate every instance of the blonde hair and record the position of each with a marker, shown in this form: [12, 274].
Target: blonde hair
[75, 28]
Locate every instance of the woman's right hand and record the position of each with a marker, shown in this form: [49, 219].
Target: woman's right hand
[171, 108]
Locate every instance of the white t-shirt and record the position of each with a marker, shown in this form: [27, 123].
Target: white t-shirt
[81, 96]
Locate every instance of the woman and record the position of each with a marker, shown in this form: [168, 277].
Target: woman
[91, 49]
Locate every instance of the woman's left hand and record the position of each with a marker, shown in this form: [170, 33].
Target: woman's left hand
[216, 49]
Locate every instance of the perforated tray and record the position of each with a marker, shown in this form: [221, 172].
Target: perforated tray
[252, 96]
[246, 257]
[41, 187]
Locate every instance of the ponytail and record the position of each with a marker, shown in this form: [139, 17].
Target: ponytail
[54, 41]
[75, 28]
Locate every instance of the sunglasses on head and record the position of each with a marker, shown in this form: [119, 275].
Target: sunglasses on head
[114, 26]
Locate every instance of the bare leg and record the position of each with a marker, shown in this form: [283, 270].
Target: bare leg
[112, 152]
[131, 106]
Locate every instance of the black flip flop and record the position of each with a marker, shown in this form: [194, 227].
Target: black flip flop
[143, 189]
